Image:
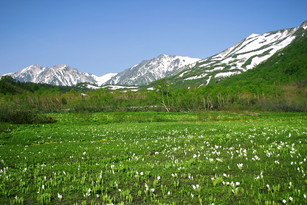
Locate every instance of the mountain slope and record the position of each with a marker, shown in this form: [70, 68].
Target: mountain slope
[277, 84]
[61, 75]
[237, 59]
[287, 67]
[150, 70]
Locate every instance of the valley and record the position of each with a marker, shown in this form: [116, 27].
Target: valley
[227, 129]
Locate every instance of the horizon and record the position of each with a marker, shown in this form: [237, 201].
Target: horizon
[108, 37]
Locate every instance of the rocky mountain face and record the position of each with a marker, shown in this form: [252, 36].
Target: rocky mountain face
[239, 58]
[58, 75]
[151, 70]
[140, 74]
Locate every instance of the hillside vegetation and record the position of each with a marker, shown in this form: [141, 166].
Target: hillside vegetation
[278, 83]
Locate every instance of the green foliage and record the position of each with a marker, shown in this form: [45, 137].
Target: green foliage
[18, 115]
[8, 85]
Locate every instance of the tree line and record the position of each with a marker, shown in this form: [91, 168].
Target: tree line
[164, 97]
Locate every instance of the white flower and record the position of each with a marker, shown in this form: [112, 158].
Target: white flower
[174, 175]
[60, 196]
[240, 165]
[284, 201]
[146, 187]
[195, 187]
[290, 198]
[152, 190]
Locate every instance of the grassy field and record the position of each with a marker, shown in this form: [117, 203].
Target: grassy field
[156, 158]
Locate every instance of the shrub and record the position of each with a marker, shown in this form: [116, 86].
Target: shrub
[13, 114]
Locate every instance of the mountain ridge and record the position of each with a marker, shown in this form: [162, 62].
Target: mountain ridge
[184, 71]
[244, 55]
[61, 75]
[140, 74]
[151, 70]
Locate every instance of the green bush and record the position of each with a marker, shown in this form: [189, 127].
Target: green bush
[13, 114]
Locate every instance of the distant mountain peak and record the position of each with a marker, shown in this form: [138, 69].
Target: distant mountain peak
[139, 74]
[57, 75]
[150, 70]
[60, 66]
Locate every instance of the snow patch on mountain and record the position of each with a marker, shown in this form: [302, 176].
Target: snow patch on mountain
[226, 74]
[120, 87]
[196, 77]
[103, 79]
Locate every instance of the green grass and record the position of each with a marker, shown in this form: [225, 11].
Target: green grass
[156, 158]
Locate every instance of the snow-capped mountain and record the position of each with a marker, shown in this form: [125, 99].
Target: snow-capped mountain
[239, 58]
[150, 70]
[58, 75]
[140, 74]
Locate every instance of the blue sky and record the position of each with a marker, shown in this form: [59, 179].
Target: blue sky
[102, 36]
